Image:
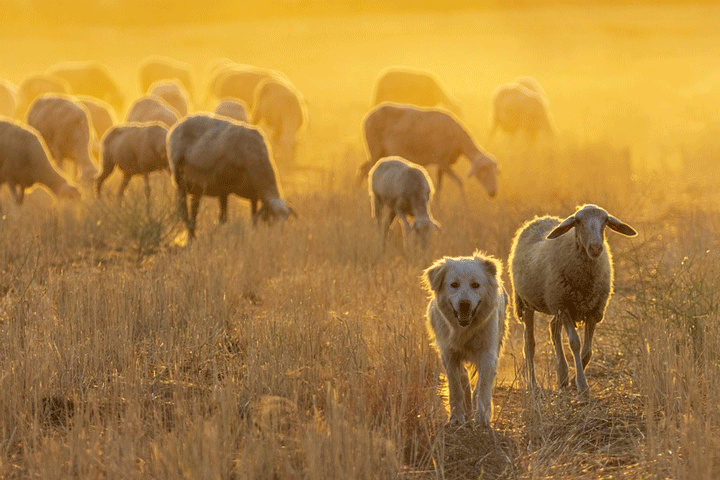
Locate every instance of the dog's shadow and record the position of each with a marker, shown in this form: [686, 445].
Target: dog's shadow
[471, 451]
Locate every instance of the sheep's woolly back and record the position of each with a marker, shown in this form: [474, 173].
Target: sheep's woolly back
[151, 108]
[413, 86]
[550, 275]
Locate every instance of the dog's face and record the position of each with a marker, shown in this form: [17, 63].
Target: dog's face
[464, 287]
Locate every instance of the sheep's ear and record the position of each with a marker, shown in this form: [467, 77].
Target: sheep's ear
[434, 276]
[620, 227]
[564, 227]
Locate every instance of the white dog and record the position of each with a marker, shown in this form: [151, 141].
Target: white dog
[467, 320]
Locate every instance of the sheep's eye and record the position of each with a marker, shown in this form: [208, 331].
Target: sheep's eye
[475, 285]
[454, 284]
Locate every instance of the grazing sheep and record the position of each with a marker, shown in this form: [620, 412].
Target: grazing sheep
[64, 125]
[136, 149]
[467, 320]
[279, 108]
[101, 117]
[234, 109]
[406, 189]
[518, 108]
[426, 136]
[155, 68]
[24, 162]
[173, 94]
[8, 99]
[37, 85]
[239, 82]
[90, 78]
[152, 109]
[414, 87]
[212, 156]
[567, 276]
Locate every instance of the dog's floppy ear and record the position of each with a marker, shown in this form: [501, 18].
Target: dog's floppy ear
[490, 264]
[434, 275]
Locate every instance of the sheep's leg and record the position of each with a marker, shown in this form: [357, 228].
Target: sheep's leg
[378, 211]
[453, 176]
[406, 228]
[458, 387]
[587, 344]
[254, 210]
[562, 366]
[223, 200]
[107, 170]
[574, 340]
[528, 317]
[438, 185]
[194, 208]
[146, 177]
[388, 222]
[18, 193]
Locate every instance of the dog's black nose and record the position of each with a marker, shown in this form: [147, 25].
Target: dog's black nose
[464, 307]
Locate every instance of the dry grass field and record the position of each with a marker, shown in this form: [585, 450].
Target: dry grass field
[302, 352]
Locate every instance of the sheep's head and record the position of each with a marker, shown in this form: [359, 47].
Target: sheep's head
[423, 228]
[275, 209]
[484, 168]
[589, 223]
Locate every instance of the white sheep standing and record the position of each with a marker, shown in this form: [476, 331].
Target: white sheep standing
[567, 276]
[173, 93]
[156, 67]
[405, 189]
[64, 124]
[517, 107]
[413, 86]
[426, 136]
[213, 156]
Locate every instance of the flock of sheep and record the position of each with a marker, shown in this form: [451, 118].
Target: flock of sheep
[68, 113]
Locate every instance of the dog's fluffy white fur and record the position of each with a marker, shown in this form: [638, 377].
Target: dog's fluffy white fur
[467, 320]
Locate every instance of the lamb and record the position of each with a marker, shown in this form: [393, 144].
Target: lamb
[24, 162]
[519, 108]
[64, 125]
[239, 82]
[155, 68]
[37, 85]
[567, 276]
[414, 87]
[173, 94]
[406, 189]
[90, 78]
[151, 108]
[136, 149]
[8, 99]
[212, 156]
[234, 109]
[279, 108]
[426, 136]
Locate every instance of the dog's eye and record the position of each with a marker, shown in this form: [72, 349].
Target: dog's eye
[454, 284]
[475, 285]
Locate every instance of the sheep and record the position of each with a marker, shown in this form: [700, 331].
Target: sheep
[234, 109]
[151, 108]
[414, 87]
[279, 108]
[239, 82]
[101, 117]
[24, 162]
[37, 85]
[519, 108]
[567, 276]
[173, 93]
[8, 99]
[90, 78]
[64, 125]
[212, 156]
[426, 136]
[406, 189]
[155, 68]
[136, 149]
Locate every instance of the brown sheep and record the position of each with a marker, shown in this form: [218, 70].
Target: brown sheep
[8, 99]
[173, 93]
[64, 125]
[280, 110]
[518, 108]
[212, 156]
[413, 87]
[155, 68]
[37, 85]
[234, 109]
[90, 78]
[426, 136]
[24, 162]
[151, 108]
[136, 149]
